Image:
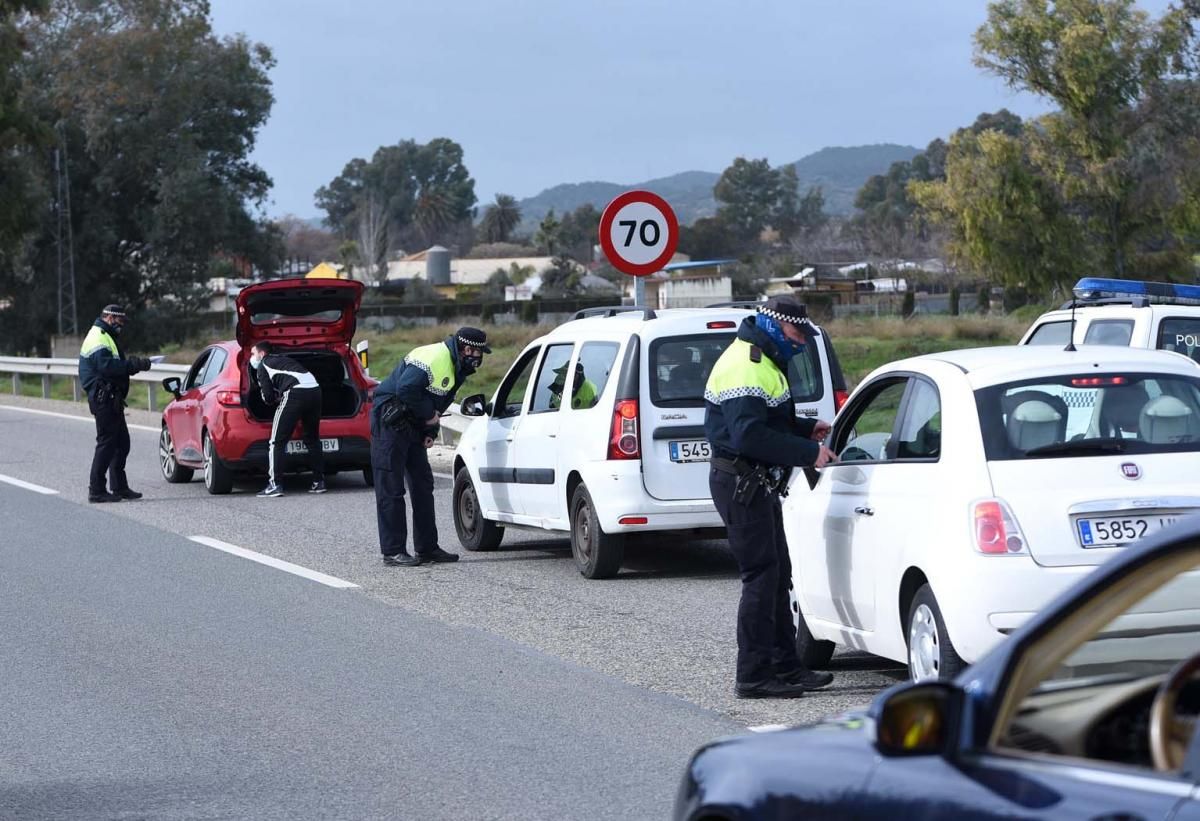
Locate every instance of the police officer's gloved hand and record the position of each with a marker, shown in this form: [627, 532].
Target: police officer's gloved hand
[145, 364]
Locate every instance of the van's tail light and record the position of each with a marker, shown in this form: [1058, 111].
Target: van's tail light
[839, 399]
[230, 399]
[717, 324]
[995, 529]
[623, 441]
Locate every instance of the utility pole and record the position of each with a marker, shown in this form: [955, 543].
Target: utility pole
[64, 241]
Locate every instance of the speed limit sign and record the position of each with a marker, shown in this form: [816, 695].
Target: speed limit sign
[639, 233]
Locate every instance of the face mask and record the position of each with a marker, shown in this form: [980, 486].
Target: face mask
[116, 329]
[787, 348]
[473, 362]
[255, 361]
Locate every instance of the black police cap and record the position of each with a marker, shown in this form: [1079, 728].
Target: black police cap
[475, 338]
[790, 310]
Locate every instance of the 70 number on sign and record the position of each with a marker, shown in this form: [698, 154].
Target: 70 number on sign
[639, 233]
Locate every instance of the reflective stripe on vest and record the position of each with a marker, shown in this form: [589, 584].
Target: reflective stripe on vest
[736, 375]
[98, 338]
[438, 365]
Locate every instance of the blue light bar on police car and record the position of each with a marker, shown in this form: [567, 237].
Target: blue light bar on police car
[1093, 288]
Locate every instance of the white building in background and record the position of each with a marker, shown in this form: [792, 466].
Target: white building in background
[687, 284]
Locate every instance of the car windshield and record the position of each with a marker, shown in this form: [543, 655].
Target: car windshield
[1093, 414]
[1149, 638]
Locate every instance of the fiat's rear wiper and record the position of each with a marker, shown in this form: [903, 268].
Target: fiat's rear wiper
[1104, 444]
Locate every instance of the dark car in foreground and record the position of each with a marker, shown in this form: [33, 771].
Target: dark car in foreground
[218, 422]
[1087, 711]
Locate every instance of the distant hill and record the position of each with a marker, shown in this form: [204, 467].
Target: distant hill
[840, 171]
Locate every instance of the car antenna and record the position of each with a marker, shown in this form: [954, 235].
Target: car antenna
[1071, 338]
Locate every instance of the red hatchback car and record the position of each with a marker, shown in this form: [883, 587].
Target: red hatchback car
[218, 422]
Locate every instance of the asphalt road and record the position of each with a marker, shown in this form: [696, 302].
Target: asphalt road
[664, 626]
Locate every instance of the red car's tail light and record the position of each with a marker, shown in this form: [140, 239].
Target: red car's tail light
[996, 530]
[230, 399]
[633, 520]
[839, 399]
[1097, 381]
[623, 440]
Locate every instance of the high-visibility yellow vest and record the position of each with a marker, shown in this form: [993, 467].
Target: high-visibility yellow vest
[97, 338]
[438, 364]
[736, 374]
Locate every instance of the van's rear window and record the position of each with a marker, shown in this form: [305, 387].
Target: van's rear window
[680, 365]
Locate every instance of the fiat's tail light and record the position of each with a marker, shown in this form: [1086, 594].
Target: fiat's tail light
[995, 529]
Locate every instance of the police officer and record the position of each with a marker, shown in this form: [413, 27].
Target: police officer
[104, 373]
[756, 439]
[404, 425]
[583, 390]
[290, 386]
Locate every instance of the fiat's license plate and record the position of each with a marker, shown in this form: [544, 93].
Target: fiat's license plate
[297, 446]
[1118, 531]
[691, 450]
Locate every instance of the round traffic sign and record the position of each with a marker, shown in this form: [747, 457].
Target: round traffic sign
[639, 233]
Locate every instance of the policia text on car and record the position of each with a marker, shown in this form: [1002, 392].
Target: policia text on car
[404, 424]
[756, 440]
[104, 373]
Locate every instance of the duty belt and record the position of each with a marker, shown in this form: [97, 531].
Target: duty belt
[753, 476]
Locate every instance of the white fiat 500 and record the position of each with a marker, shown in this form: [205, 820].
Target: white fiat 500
[975, 485]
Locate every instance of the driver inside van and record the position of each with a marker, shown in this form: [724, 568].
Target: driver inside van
[583, 390]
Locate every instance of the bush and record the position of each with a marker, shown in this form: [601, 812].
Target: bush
[529, 312]
[820, 306]
[909, 306]
[985, 299]
[954, 301]
[487, 314]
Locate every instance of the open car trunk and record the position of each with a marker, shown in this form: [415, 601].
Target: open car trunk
[340, 397]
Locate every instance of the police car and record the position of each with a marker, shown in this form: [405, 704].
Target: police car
[1124, 312]
[597, 429]
[973, 486]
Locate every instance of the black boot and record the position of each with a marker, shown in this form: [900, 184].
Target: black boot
[127, 494]
[771, 688]
[402, 559]
[438, 555]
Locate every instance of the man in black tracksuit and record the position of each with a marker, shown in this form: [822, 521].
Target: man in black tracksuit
[104, 373]
[284, 380]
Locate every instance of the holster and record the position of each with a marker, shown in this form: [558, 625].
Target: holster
[398, 416]
[753, 477]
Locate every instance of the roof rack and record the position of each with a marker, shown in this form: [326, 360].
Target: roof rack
[1093, 290]
[748, 304]
[613, 310]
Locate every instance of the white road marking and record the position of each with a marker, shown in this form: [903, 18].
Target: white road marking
[87, 419]
[767, 728]
[45, 491]
[443, 475]
[271, 561]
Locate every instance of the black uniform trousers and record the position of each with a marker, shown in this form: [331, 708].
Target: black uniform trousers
[395, 455]
[112, 444]
[301, 405]
[766, 636]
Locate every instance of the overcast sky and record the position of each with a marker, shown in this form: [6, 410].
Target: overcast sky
[548, 91]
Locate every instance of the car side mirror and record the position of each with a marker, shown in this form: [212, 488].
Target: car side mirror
[173, 385]
[475, 405]
[917, 719]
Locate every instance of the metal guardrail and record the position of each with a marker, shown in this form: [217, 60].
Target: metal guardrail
[48, 369]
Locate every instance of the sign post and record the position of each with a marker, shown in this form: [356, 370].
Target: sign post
[639, 234]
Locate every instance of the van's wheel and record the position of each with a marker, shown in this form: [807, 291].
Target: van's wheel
[931, 655]
[369, 476]
[218, 479]
[597, 554]
[474, 531]
[172, 471]
[814, 653]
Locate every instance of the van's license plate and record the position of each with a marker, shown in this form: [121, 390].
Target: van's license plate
[1114, 532]
[297, 446]
[691, 450]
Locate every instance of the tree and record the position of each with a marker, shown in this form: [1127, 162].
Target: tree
[500, 219]
[493, 289]
[1107, 153]
[19, 133]
[426, 190]
[749, 192]
[578, 232]
[563, 278]
[305, 241]
[708, 238]
[418, 291]
[372, 237]
[546, 238]
[155, 117]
